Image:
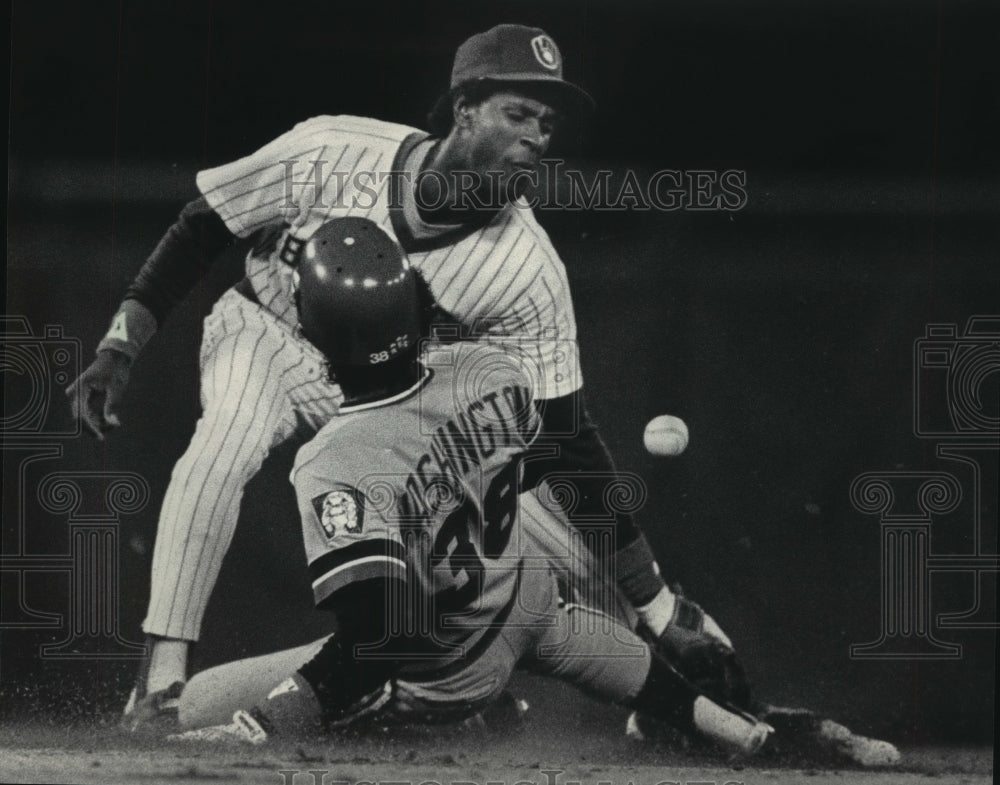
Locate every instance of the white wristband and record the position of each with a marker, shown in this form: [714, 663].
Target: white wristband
[131, 327]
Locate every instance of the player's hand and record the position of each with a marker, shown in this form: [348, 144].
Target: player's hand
[690, 625]
[95, 394]
[695, 644]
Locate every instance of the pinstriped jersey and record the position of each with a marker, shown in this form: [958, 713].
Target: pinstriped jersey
[503, 280]
[425, 491]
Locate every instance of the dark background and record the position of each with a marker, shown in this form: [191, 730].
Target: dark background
[783, 333]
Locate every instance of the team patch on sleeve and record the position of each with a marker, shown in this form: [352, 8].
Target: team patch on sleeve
[340, 511]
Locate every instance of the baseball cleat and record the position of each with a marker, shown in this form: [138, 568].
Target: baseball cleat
[244, 729]
[860, 749]
[802, 735]
[154, 711]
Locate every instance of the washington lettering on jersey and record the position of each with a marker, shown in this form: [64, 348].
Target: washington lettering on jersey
[458, 447]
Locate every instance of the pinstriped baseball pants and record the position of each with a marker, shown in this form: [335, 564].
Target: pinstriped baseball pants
[259, 383]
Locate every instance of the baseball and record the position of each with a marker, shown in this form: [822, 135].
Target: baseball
[666, 435]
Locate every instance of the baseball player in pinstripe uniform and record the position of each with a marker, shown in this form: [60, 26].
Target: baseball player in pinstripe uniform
[409, 507]
[452, 199]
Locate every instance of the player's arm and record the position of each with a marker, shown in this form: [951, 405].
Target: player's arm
[343, 680]
[358, 572]
[680, 630]
[567, 425]
[238, 198]
[179, 261]
[305, 690]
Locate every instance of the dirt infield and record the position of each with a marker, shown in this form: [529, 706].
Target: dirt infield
[538, 755]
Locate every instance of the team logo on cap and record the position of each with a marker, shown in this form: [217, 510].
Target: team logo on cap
[340, 512]
[545, 51]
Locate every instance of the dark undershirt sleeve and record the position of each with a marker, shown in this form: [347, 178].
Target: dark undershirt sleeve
[336, 674]
[180, 259]
[566, 424]
[584, 460]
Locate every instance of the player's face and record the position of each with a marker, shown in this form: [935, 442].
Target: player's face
[506, 136]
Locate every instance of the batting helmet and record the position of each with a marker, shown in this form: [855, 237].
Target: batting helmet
[357, 296]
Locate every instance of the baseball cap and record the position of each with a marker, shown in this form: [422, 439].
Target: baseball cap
[517, 54]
